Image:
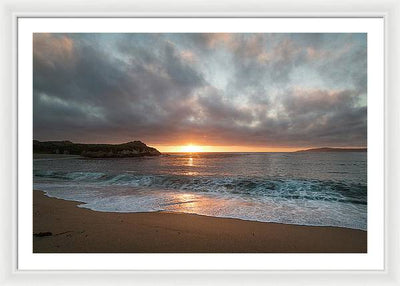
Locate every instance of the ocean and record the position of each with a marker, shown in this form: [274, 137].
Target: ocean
[322, 189]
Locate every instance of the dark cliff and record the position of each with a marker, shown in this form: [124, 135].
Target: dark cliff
[130, 149]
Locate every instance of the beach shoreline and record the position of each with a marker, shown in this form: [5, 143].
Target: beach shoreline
[59, 226]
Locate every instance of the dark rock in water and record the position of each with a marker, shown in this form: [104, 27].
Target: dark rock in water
[41, 234]
[130, 149]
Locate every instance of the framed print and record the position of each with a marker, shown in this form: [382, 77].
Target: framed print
[236, 118]
[203, 144]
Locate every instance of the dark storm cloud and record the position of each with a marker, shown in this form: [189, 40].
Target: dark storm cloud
[211, 89]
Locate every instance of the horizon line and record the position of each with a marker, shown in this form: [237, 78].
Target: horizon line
[180, 148]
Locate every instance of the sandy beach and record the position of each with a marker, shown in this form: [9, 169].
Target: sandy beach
[60, 226]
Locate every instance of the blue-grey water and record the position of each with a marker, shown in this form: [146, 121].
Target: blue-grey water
[327, 189]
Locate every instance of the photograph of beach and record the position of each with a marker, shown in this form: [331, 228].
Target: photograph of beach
[200, 143]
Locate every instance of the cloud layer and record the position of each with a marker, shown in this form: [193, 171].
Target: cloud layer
[293, 90]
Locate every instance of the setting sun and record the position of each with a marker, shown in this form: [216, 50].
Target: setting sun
[191, 149]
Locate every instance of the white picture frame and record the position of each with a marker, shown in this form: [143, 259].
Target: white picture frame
[14, 9]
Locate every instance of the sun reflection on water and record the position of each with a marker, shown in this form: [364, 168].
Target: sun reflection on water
[191, 173]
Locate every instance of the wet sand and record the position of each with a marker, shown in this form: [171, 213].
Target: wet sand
[59, 226]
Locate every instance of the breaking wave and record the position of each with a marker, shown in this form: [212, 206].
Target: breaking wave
[242, 186]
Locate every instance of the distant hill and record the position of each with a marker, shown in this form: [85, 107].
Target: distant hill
[130, 149]
[327, 149]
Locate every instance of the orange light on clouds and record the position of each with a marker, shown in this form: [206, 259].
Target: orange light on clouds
[191, 148]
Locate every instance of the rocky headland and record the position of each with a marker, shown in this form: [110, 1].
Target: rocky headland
[130, 149]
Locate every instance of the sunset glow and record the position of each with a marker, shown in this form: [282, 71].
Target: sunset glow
[203, 92]
[191, 149]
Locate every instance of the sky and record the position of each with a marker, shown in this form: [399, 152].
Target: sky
[224, 92]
